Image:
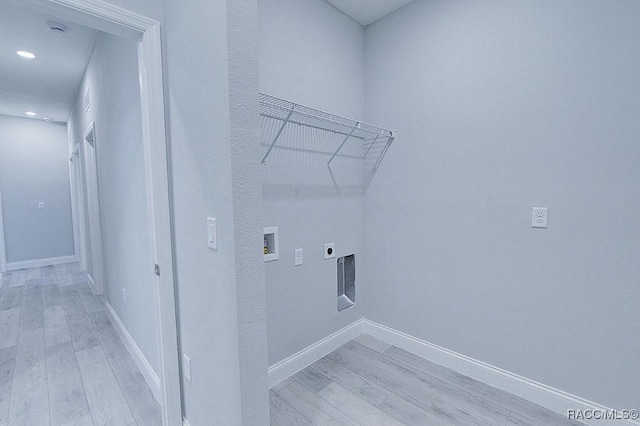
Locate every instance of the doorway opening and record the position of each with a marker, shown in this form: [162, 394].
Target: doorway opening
[92, 242]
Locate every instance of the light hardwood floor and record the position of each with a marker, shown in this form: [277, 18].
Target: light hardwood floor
[369, 382]
[61, 360]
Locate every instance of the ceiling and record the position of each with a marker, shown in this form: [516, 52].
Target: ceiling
[47, 84]
[366, 12]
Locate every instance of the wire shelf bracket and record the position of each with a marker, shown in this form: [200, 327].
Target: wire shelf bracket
[371, 142]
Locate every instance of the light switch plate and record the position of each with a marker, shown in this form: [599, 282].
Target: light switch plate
[212, 233]
[298, 257]
[539, 217]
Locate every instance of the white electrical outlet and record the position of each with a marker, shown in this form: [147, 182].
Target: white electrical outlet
[539, 217]
[298, 257]
[124, 295]
[330, 250]
[186, 367]
[41, 205]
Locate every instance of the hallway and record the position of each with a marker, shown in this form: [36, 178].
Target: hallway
[61, 360]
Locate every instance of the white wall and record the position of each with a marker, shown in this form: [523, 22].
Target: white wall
[242, 36]
[501, 106]
[312, 54]
[112, 81]
[34, 167]
[211, 87]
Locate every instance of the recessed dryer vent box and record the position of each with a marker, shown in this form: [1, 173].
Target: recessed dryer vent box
[346, 281]
[271, 250]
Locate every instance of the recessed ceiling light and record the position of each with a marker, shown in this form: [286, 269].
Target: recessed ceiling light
[26, 54]
[31, 113]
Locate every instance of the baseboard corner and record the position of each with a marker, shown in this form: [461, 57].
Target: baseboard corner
[307, 356]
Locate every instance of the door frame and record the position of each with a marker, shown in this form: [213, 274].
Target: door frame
[91, 193]
[116, 20]
[77, 204]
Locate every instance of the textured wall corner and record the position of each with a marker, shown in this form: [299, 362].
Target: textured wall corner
[242, 33]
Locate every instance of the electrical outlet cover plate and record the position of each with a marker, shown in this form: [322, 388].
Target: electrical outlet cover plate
[298, 257]
[330, 250]
[539, 217]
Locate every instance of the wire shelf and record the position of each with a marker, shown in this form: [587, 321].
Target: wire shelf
[337, 140]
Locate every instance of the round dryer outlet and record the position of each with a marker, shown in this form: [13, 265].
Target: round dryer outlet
[330, 250]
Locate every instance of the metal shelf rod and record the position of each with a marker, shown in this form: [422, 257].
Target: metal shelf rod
[264, 160]
[309, 125]
[342, 144]
[322, 133]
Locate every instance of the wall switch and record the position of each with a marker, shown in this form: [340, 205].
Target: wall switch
[539, 217]
[330, 250]
[124, 295]
[186, 367]
[41, 205]
[298, 257]
[212, 233]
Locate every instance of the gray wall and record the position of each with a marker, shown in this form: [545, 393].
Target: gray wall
[127, 242]
[312, 54]
[34, 167]
[501, 106]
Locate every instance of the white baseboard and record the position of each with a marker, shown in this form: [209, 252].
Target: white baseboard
[530, 390]
[38, 263]
[141, 362]
[538, 393]
[296, 362]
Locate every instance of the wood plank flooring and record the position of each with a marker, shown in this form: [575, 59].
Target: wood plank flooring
[61, 361]
[369, 382]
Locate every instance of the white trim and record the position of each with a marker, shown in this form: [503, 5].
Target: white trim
[38, 263]
[76, 177]
[3, 253]
[185, 422]
[155, 146]
[74, 202]
[296, 362]
[145, 368]
[90, 156]
[530, 390]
